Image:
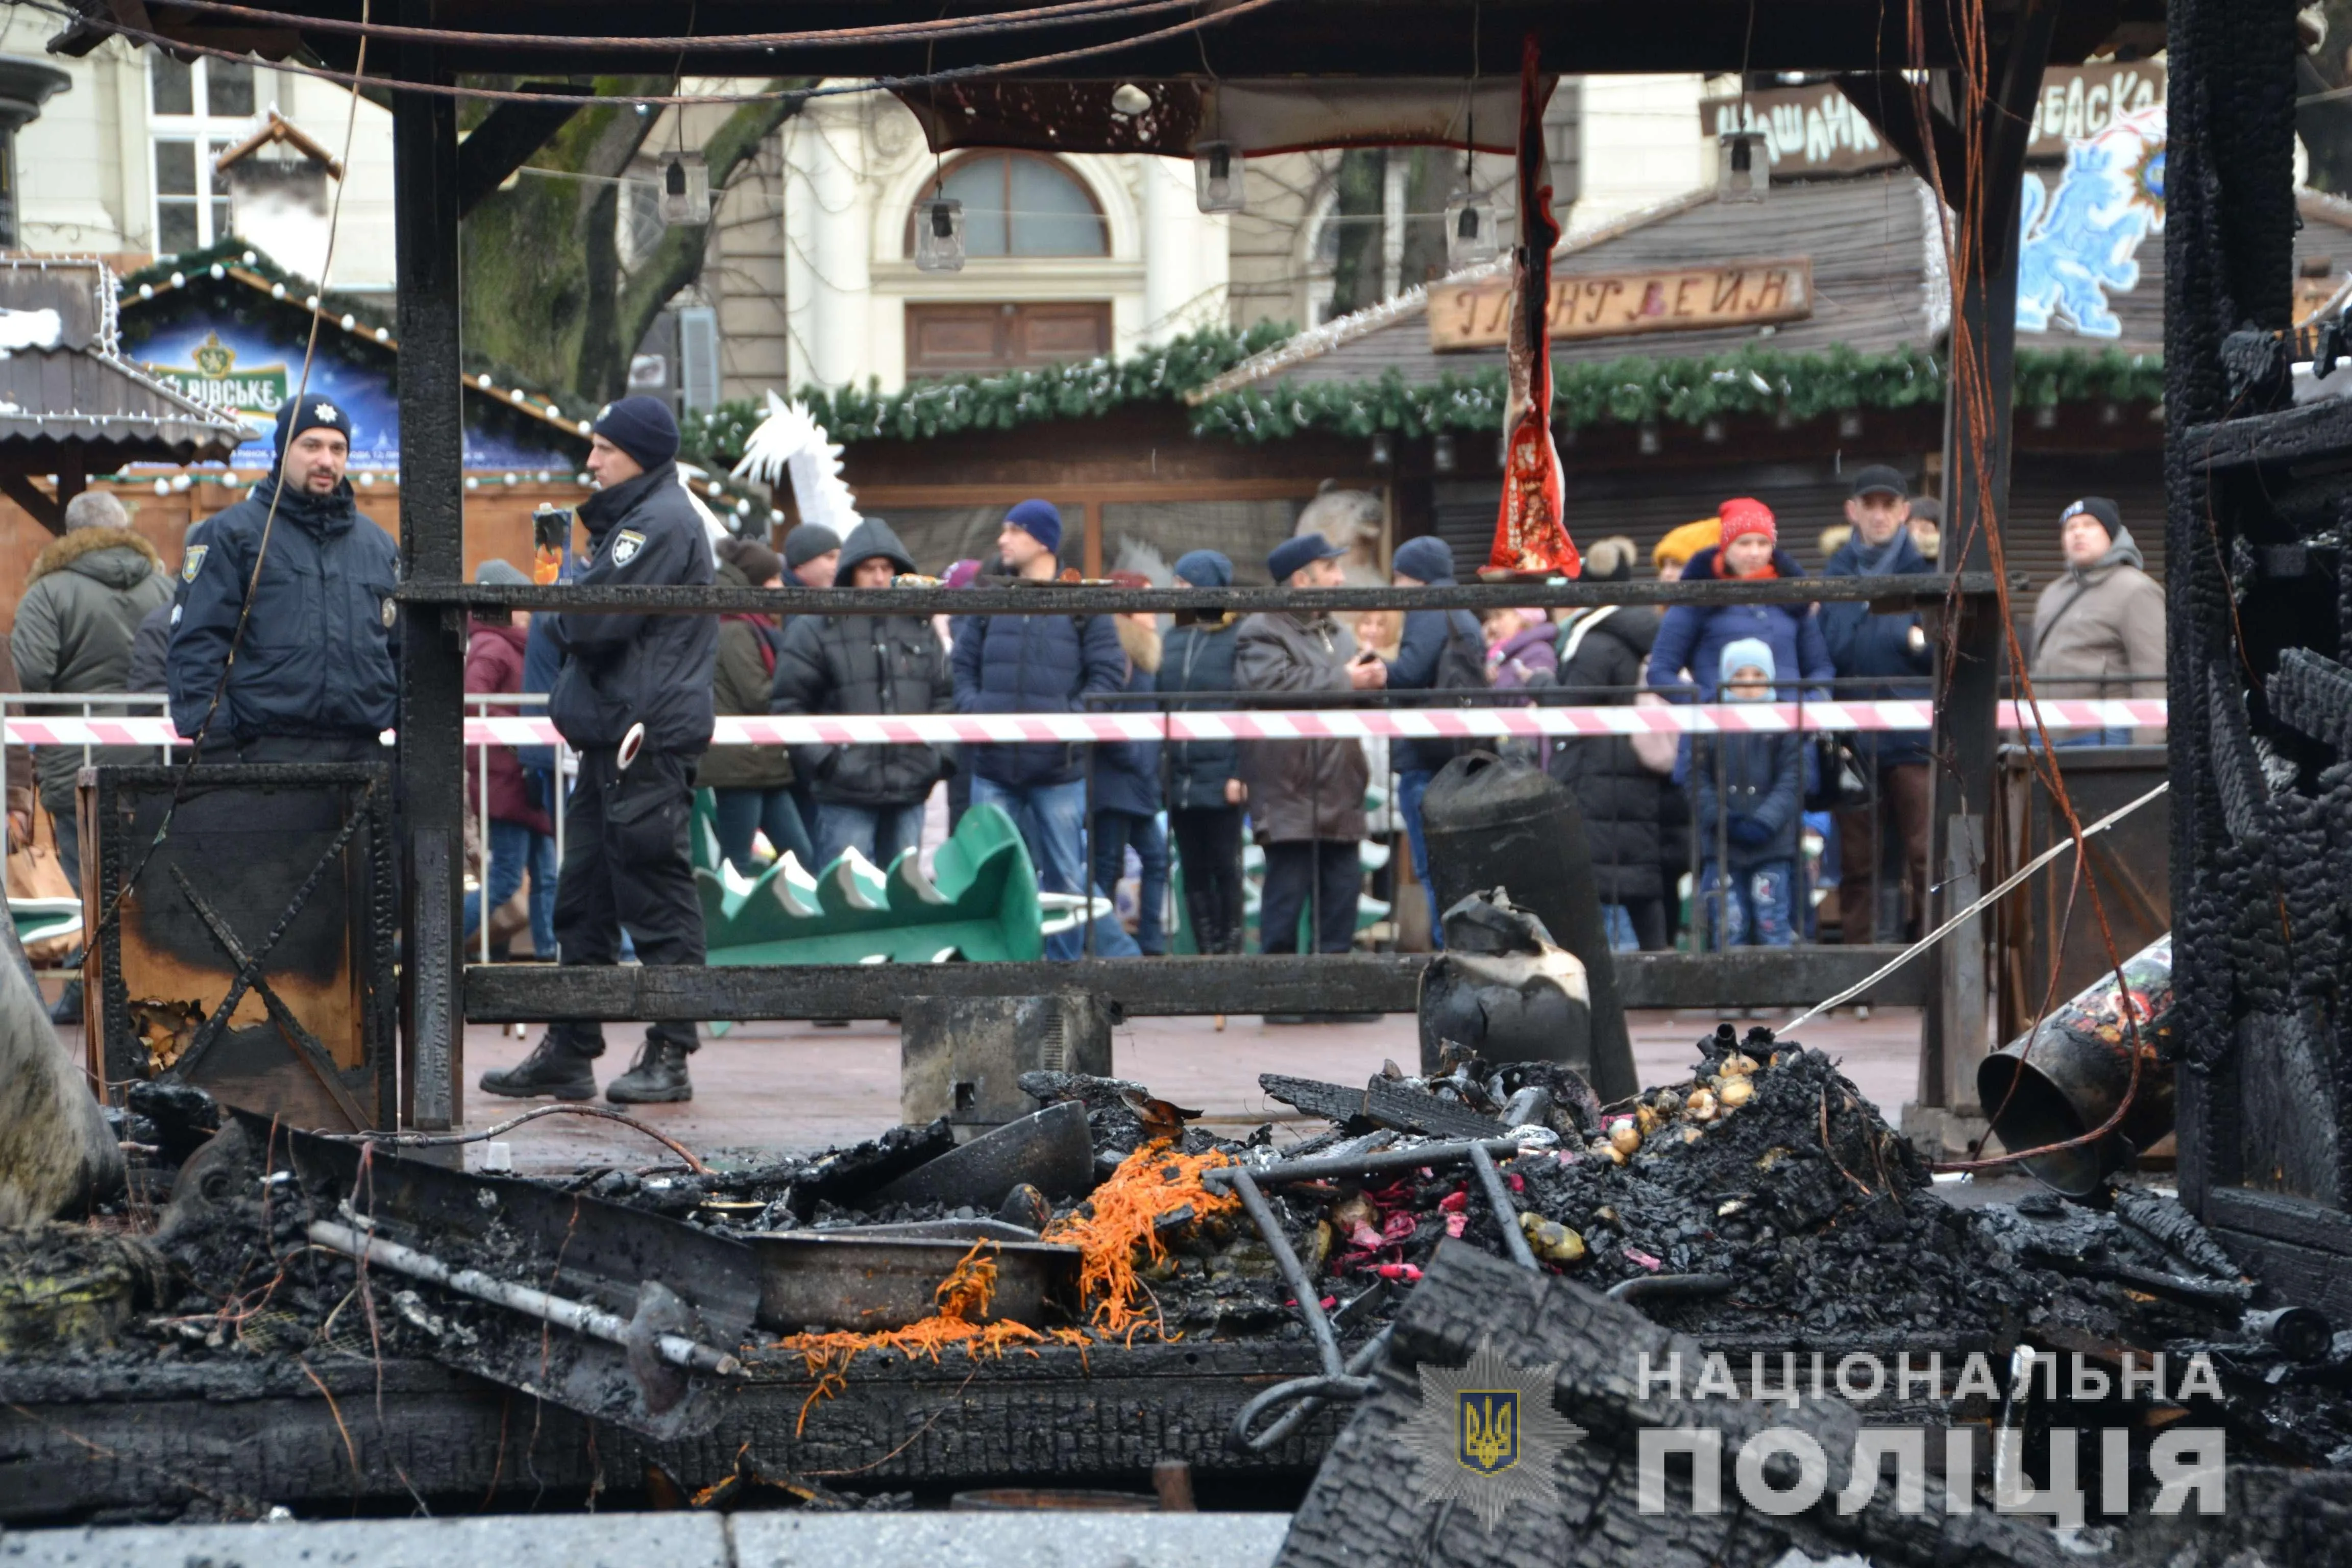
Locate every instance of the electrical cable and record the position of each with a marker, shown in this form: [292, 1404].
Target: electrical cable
[1070, 12]
[500, 95]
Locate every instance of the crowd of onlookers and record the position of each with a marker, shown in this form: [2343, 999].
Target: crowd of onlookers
[1731, 836]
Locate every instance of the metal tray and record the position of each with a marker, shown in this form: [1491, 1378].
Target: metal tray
[857, 1280]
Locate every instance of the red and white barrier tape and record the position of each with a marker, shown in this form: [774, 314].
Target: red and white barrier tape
[1262, 724]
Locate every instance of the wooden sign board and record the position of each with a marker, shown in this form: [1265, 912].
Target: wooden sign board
[1623, 304]
[1811, 131]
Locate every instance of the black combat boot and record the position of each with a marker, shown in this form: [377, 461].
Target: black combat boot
[657, 1076]
[556, 1068]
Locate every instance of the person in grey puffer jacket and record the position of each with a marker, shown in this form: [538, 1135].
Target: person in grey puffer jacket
[1205, 787]
[2103, 619]
[1306, 797]
[84, 601]
[868, 798]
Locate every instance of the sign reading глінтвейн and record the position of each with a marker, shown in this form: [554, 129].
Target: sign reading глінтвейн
[1617, 304]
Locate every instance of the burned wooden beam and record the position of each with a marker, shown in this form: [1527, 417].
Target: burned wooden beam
[2311, 692]
[1165, 987]
[1381, 1103]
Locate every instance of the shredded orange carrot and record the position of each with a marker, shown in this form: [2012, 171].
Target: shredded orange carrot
[1124, 1215]
[961, 1297]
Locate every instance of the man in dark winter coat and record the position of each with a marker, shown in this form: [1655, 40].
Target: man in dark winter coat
[750, 786]
[1037, 664]
[1881, 842]
[868, 798]
[1306, 797]
[1621, 793]
[1440, 649]
[1204, 788]
[312, 678]
[633, 699]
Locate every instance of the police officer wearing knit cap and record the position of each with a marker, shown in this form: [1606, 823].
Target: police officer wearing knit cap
[309, 671]
[633, 698]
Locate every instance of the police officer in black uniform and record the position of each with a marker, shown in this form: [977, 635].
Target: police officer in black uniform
[311, 671]
[633, 698]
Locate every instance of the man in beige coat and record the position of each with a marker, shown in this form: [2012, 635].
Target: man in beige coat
[2099, 621]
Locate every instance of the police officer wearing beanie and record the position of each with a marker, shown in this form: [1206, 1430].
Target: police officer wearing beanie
[633, 699]
[305, 674]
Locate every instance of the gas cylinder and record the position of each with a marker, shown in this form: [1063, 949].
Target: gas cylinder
[2067, 1078]
[1493, 823]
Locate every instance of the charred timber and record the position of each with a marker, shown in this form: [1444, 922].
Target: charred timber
[1088, 598]
[1165, 987]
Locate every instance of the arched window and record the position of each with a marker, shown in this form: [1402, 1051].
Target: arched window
[1017, 204]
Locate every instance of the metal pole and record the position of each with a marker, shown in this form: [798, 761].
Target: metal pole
[482, 901]
[430, 794]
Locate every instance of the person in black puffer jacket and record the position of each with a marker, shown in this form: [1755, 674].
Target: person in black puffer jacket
[629, 680]
[868, 798]
[1601, 651]
[1205, 794]
[312, 678]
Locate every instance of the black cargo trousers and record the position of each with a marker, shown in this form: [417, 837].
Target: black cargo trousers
[626, 866]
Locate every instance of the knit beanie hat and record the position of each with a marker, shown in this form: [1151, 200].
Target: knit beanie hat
[310, 412]
[1681, 543]
[1040, 522]
[1425, 558]
[1205, 569]
[1745, 514]
[1610, 560]
[806, 543]
[1741, 652]
[641, 426]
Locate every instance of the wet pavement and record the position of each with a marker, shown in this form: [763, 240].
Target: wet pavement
[795, 1087]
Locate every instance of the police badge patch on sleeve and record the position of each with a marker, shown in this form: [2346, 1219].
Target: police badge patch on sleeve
[625, 545]
[193, 563]
[391, 613]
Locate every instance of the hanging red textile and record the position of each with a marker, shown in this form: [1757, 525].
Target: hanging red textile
[1531, 534]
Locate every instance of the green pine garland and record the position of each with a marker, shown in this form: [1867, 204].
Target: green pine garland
[1634, 391]
[1629, 391]
[1086, 390]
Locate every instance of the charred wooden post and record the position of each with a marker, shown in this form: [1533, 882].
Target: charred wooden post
[431, 789]
[1976, 168]
[2261, 819]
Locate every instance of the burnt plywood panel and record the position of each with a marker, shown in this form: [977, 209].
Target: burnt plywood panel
[246, 852]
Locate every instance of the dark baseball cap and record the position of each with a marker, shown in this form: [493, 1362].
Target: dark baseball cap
[1878, 480]
[2108, 515]
[1295, 554]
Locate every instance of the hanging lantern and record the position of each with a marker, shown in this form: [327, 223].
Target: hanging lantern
[1217, 176]
[1383, 449]
[1441, 452]
[1469, 231]
[1743, 170]
[685, 189]
[939, 236]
